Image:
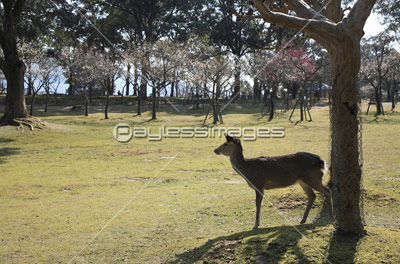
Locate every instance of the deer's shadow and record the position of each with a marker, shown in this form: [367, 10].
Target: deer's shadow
[272, 245]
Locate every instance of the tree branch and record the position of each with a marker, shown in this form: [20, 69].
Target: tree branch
[17, 10]
[303, 10]
[359, 14]
[322, 30]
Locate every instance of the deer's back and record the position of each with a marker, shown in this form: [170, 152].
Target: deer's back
[282, 171]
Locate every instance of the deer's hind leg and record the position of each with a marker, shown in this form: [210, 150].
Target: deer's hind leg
[259, 198]
[316, 183]
[311, 198]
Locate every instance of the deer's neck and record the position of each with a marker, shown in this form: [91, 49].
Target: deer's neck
[238, 162]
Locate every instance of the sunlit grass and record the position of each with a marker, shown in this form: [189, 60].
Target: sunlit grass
[61, 185]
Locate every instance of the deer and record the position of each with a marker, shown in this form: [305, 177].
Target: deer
[265, 173]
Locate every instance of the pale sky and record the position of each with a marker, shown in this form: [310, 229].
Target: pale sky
[372, 27]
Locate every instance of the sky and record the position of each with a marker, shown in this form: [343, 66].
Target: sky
[372, 28]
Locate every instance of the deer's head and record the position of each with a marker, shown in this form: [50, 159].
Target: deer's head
[231, 146]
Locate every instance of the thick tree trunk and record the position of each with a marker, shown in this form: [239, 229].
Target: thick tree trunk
[15, 98]
[345, 164]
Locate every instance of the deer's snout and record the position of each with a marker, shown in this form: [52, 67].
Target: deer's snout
[216, 151]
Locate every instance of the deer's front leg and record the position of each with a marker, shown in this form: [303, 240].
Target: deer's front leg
[259, 198]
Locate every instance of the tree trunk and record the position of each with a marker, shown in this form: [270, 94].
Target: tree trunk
[47, 99]
[256, 90]
[345, 164]
[378, 102]
[71, 84]
[215, 113]
[236, 84]
[32, 103]
[272, 106]
[143, 85]
[302, 109]
[154, 103]
[107, 104]
[393, 95]
[30, 85]
[172, 89]
[15, 98]
[380, 95]
[139, 101]
[128, 80]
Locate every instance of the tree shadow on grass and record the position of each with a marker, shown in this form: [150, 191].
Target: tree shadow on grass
[265, 245]
[6, 151]
[342, 248]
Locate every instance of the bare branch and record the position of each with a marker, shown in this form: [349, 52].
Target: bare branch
[303, 10]
[359, 14]
[323, 30]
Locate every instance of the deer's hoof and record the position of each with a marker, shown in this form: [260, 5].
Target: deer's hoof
[255, 227]
[302, 221]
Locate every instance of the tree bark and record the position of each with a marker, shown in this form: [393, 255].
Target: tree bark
[11, 65]
[345, 164]
[15, 98]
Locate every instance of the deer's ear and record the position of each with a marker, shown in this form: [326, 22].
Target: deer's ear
[228, 138]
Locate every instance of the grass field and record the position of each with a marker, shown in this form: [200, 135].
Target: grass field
[72, 193]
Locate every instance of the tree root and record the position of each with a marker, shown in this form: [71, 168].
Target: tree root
[30, 122]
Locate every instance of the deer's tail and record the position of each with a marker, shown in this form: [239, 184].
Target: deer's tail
[316, 161]
[322, 165]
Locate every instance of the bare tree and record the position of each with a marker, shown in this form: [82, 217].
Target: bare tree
[160, 61]
[375, 67]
